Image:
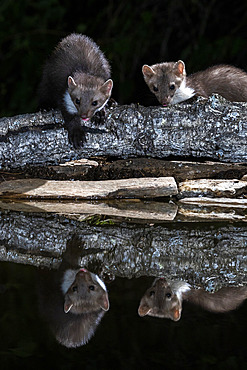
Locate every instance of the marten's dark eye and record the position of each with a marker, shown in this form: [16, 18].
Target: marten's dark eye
[91, 287]
[172, 86]
[168, 295]
[155, 88]
[77, 101]
[75, 288]
[152, 293]
[94, 103]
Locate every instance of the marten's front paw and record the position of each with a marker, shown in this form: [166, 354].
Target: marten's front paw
[76, 136]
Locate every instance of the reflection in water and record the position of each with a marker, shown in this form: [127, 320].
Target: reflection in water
[164, 299]
[132, 253]
[72, 300]
[75, 310]
[122, 338]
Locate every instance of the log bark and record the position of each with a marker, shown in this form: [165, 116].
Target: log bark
[211, 255]
[215, 129]
[180, 170]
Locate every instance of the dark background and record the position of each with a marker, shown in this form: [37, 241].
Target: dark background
[123, 340]
[131, 33]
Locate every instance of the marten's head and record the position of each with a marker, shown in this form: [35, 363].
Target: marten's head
[87, 95]
[167, 82]
[161, 301]
[84, 292]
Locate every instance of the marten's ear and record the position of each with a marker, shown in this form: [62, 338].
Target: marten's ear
[106, 88]
[67, 305]
[143, 309]
[71, 82]
[176, 314]
[147, 71]
[180, 68]
[104, 302]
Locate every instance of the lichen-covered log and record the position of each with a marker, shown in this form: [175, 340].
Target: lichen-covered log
[210, 255]
[215, 129]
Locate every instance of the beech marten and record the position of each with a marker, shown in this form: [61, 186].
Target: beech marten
[164, 299]
[76, 80]
[72, 300]
[169, 83]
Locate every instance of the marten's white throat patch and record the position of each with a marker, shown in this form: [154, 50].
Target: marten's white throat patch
[70, 106]
[69, 277]
[182, 93]
[100, 282]
[182, 288]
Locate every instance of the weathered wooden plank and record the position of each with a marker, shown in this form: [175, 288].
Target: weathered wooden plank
[71, 169]
[110, 189]
[215, 129]
[134, 209]
[211, 187]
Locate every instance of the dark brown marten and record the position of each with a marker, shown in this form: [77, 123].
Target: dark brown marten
[76, 80]
[72, 300]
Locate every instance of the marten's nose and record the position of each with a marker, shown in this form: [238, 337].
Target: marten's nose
[83, 270]
[85, 118]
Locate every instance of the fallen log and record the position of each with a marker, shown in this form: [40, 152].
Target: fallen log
[103, 169]
[214, 129]
[151, 167]
[209, 255]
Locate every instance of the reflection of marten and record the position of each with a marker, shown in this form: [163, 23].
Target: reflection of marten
[73, 301]
[164, 299]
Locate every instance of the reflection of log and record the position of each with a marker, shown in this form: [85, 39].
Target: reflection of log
[215, 129]
[216, 202]
[215, 209]
[185, 251]
[188, 209]
[110, 189]
[130, 209]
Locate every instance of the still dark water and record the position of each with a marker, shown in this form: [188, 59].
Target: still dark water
[123, 340]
